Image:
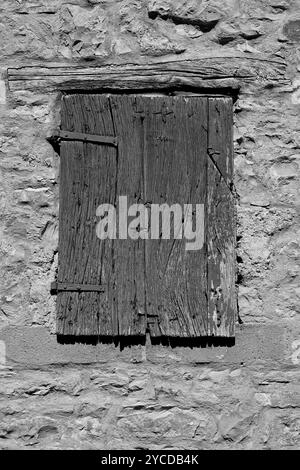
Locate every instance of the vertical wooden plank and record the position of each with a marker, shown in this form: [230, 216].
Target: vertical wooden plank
[220, 138]
[129, 262]
[175, 170]
[221, 236]
[87, 179]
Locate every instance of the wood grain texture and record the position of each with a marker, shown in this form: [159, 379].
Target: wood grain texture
[229, 70]
[220, 135]
[175, 155]
[92, 174]
[87, 178]
[163, 156]
[221, 262]
[128, 253]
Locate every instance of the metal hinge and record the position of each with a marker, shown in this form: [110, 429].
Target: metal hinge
[73, 287]
[99, 139]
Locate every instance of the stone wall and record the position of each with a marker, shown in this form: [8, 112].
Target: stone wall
[102, 396]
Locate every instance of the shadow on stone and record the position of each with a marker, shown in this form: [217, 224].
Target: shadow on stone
[127, 341]
[119, 341]
[198, 342]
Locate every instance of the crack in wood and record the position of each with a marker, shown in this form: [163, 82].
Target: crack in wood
[230, 187]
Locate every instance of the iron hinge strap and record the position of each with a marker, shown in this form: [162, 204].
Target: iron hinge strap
[74, 287]
[98, 139]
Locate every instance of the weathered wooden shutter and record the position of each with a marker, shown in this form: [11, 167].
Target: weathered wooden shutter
[154, 150]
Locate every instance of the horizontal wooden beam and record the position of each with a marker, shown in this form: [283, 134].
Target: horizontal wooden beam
[224, 71]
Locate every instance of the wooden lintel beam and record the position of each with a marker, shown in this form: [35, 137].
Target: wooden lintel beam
[229, 70]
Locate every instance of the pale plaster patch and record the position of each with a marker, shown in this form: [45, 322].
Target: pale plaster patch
[2, 354]
[2, 92]
[296, 354]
